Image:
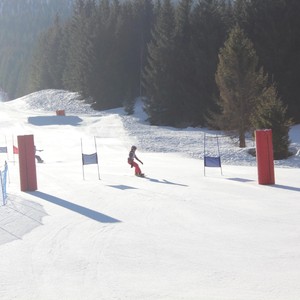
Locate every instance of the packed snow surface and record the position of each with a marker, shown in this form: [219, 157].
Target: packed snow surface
[175, 234]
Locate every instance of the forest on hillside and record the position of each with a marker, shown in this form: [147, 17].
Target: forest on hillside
[21, 23]
[165, 51]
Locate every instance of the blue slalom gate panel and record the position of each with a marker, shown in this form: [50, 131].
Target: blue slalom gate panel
[89, 159]
[212, 158]
[213, 162]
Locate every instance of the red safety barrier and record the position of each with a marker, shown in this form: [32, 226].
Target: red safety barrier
[60, 112]
[27, 166]
[264, 156]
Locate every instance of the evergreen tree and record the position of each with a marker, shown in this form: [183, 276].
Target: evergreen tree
[106, 82]
[239, 82]
[184, 94]
[39, 76]
[81, 57]
[21, 23]
[128, 45]
[270, 113]
[209, 30]
[49, 60]
[56, 55]
[240, 13]
[158, 76]
[289, 80]
[274, 28]
[135, 36]
[144, 16]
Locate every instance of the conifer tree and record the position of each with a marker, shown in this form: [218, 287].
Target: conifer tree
[239, 82]
[270, 113]
[144, 20]
[128, 56]
[106, 82]
[184, 93]
[21, 24]
[39, 74]
[49, 61]
[135, 33]
[274, 28]
[209, 22]
[158, 76]
[81, 57]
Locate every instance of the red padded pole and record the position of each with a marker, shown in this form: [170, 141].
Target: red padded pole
[28, 180]
[264, 156]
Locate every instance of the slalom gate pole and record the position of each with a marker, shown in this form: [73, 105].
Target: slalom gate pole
[14, 161]
[2, 192]
[219, 154]
[82, 159]
[97, 158]
[6, 148]
[204, 152]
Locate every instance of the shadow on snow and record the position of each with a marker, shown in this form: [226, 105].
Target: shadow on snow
[92, 214]
[165, 181]
[54, 120]
[122, 187]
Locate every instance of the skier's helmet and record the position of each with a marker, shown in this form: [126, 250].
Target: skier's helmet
[133, 147]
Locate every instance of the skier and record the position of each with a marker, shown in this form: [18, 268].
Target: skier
[131, 161]
[38, 158]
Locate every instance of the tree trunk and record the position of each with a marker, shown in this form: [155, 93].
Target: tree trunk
[242, 140]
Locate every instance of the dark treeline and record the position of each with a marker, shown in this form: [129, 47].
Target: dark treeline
[113, 51]
[100, 52]
[21, 22]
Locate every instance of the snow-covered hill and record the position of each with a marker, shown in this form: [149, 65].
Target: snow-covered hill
[176, 234]
[188, 141]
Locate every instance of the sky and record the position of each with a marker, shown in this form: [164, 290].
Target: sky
[176, 234]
